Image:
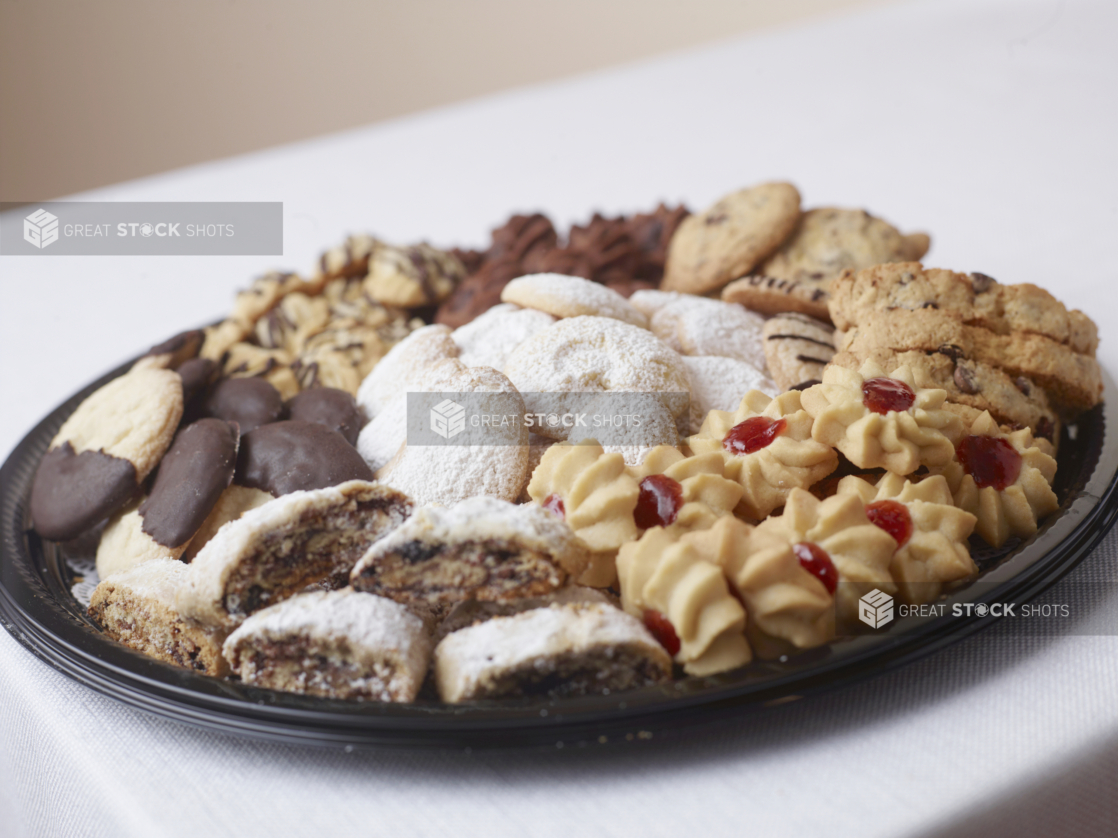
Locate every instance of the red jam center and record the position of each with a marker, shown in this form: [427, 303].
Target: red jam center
[554, 503]
[884, 394]
[892, 517]
[662, 630]
[989, 460]
[753, 434]
[659, 502]
[815, 561]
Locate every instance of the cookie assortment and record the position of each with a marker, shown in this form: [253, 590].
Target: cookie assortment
[821, 418]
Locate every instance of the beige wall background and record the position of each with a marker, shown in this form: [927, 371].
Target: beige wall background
[93, 93]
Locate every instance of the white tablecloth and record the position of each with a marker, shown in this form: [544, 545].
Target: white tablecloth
[991, 125]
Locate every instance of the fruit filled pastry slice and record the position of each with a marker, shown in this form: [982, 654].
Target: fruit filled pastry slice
[272, 552]
[881, 420]
[480, 548]
[767, 448]
[836, 541]
[930, 531]
[337, 644]
[1003, 479]
[673, 582]
[563, 650]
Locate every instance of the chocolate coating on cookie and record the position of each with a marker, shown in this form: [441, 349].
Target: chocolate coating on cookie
[196, 374]
[191, 477]
[181, 348]
[250, 402]
[336, 409]
[292, 456]
[73, 492]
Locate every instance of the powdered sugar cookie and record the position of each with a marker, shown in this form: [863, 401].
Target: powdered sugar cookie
[570, 296]
[489, 339]
[402, 365]
[699, 326]
[480, 548]
[449, 473]
[718, 383]
[650, 300]
[594, 355]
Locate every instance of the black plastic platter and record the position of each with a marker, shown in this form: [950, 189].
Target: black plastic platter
[38, 609]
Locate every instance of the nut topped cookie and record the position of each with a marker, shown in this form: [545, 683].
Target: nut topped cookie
[882, 420]
[730, 238]
[768, 449]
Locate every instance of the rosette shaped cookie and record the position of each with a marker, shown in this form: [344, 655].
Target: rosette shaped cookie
[767, 448]
[675, 585]
[930, 531]
[685, 493]
[837, 542]
[882, 421]
[594, 494]
[789, 600]
[1003, 479]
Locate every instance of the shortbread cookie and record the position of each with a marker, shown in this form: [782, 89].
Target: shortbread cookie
[337, 644]
[698, 326]
[559, 651]
[402, 365]
[413, 276]
[248, 402]
[330, 407]
[829, 240]
[293, 456]
[681, 492]
[976, 298]
[173, 352]
[138, 608]
[771, 295]
[191, 477]
[1073, 380]
[447, 474]
[930, 531]
[104, 450]
[124, 544]
[768, 449]
[234, 502]
[797, 348]
[274, 551]
[570, 296]
[834, 540]
[674, 584]
[730, 238]
[348, 260]
[788, 593]
[593, 355]
[489, 340]
[1003, 479]
[480, 548]
[1012, 401]
[881, 420]
[340, 356]
[718, 383]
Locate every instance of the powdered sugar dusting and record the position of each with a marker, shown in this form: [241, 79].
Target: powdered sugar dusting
[648, 301]
[718, 383]
[700, 326]
[489, 339]
[403, 365]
